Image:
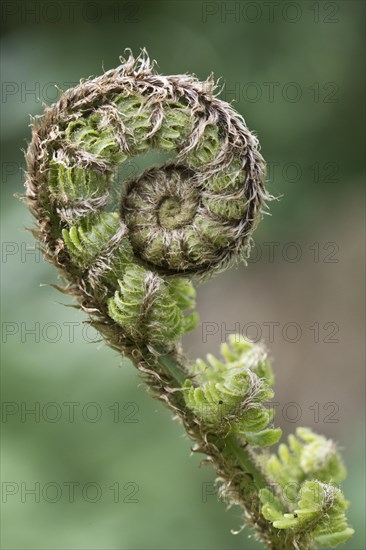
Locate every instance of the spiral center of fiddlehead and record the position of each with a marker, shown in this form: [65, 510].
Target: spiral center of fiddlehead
[172, 213]
[159, 210]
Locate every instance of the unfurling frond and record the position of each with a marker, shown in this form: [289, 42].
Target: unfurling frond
[130, 264]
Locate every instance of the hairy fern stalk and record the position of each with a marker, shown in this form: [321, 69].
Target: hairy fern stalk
[131, 269]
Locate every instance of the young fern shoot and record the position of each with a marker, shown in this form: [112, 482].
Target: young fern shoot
[131, 269]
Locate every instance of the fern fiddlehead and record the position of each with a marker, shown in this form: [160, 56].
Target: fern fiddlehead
[131, 265]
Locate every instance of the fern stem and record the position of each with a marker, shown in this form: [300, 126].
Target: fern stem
[246, 461]
[235, 455]
[173, 368]
[239, 453]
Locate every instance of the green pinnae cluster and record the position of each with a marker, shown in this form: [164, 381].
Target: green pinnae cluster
[91, 136]
[229, 396]
[175, 128]
[71, 184]
[151, 310]
[207, 149]
[318, 516]
[230, 180]
[307, 501]
[319, 457]
[307, 456]
[85, 240]
[239, 352]
[148, 308]
[136, 117]
[228, 208]
[94, 236]
[88, 140]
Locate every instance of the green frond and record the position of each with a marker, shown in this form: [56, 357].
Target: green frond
[229, 396]
[183, 293]
[318, 516]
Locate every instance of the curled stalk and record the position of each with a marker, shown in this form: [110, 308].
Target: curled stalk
[131, 262]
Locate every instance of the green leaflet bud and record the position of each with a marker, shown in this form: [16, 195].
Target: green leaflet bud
[305, 471]
[150, 309]
[319, 457]
[229, 395]
[318, 516]
[307, 456]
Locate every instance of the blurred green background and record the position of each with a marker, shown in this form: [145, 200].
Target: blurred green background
[107, 466]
